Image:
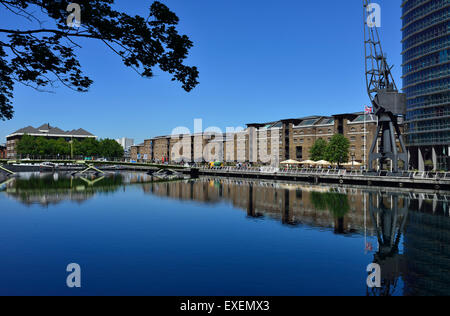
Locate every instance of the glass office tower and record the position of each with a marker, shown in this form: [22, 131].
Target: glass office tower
[426, 82]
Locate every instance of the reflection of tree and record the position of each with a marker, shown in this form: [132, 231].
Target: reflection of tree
[336, 203]
[318, 201]
[52, 189]
[49, 182]
[389, 218]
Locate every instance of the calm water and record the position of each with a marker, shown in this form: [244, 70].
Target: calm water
[218, 237]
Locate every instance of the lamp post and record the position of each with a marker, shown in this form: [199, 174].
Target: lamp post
[71, 147]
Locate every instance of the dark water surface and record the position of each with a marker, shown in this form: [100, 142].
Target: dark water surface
[218, 237]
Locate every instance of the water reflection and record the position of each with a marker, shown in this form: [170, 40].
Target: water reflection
[47, 188]
[411, 228]
[293, 205]
[389, 213]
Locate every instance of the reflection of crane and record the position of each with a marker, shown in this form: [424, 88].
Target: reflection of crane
[389, 220]
[388, 104]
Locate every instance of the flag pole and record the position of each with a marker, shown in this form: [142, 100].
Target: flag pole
[365, 141]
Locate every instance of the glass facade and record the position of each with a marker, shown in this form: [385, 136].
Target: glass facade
[426, 72]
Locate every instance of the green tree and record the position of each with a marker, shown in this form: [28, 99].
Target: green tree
[42, 147]
[109, 148]
[41, 51]
[26, 145]
[318, 150]
[89, 147]
[62, 147]
[338, 149]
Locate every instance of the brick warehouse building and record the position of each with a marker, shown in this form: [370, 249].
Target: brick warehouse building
[46, 131]
[293, 137]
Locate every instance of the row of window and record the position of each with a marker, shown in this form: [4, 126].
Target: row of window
[410, 4]
[430, 125]
[429, 100]
[427, 74]
[424, 10]
[428, 113]
[320, 131]
[435, 45]
[428, 87]
[429, 138]
[353, 138]
[427, 35]
[436, 17]
[427, 61]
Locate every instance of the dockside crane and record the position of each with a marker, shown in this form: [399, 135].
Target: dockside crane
[387, 102]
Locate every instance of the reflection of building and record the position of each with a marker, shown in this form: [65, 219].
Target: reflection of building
[46, 131]
[291, 204]
[266, 143]
[426, 67]
[413, 229]
[427, 249]
[3, 152]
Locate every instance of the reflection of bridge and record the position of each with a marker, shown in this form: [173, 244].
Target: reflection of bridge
[79, 164]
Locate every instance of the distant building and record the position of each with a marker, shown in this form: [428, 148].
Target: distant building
[270, 142]
[126, 143]
[3, 151]
[46, 131]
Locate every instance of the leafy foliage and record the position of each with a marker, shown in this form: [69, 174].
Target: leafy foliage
[41, 56]
[89, 147]
[338, 149]
[318, 150]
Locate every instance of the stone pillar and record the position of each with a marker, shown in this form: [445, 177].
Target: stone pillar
[421, 161]
[409, 159]
[253, 144]
[434, 158]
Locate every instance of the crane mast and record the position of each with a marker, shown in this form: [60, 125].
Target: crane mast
[388, 104]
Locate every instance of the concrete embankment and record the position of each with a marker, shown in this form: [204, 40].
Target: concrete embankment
[405, 181]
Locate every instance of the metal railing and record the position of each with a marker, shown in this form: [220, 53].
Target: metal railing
[331, 172]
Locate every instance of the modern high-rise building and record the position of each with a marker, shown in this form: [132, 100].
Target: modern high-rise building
[426, 82]
[126, 143]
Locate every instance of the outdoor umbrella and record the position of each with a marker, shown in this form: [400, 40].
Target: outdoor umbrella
[323, 163]
[354, 164]
[308, 162]
[290, 162]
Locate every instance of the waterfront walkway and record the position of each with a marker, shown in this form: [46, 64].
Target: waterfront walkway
[407, 179]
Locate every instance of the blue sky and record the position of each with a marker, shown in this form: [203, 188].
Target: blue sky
[258, 61]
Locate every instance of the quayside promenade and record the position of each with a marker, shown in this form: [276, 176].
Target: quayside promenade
[406, 179]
